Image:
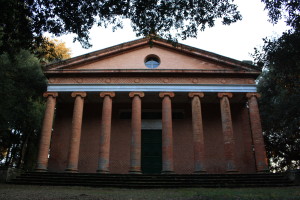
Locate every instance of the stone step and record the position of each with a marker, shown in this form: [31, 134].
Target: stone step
[220, 176]
[153, 181]
[150, 180]
[156, 185]
[150, 175]
[153, 177]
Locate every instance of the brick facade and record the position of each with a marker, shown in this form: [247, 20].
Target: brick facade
[204, 105]
[182, 139]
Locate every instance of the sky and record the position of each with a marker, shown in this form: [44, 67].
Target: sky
[236, 41]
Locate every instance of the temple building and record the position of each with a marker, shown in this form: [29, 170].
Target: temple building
[149, 107]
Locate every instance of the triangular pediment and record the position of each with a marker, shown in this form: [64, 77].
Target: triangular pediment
[131, 56]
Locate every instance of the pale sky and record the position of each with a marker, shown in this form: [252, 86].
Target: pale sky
[236, 41]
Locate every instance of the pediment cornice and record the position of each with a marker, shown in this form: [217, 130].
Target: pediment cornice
[69, 65]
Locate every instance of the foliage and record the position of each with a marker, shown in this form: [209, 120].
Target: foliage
[53, 50]
[24, 22]
[280, 88]
[289, 9]
[22, 83]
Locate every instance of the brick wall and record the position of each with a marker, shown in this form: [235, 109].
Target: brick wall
[120, 138]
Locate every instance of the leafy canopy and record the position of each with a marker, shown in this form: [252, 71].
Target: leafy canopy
[21, 84]
[53, 50]
[24, 22]
[279, 105]
[280, 87]
[289, 9]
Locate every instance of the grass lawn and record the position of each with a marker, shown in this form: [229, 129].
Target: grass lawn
[22, 192]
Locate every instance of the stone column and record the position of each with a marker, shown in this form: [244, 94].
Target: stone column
[74, 146]
[198, 136]
[136, 126]
[229, 143]
[42, 159]
[103, 164]
[167, 133]
[257, 136]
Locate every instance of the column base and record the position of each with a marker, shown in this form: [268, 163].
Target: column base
[266, 171]
[101, 171]
[40, 170]
[262, 168]
[135, 172]
[167, 172]
[71, 170]
[232, 171]
[200, 172]
[231, 167]
[41, 167]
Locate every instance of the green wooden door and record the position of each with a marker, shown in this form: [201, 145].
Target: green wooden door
[151, 152]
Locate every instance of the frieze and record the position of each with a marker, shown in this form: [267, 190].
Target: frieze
[149, 80]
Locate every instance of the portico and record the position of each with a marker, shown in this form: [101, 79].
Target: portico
[208, 117]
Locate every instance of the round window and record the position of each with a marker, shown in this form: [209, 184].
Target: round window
[152, 61]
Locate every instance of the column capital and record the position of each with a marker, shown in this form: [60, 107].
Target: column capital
[222, 94]
[82, 94]
[140, 94]
[251, 94]
[199, 94]
[54, 94]
[111, 94]
[163, 94]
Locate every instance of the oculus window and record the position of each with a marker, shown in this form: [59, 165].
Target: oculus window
[152, 61]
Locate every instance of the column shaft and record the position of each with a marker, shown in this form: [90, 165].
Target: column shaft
[257, 136]
[198, 135]
[103, 164]
[136, 126]
[42, 160]
[73, 156]
[229, 142]
[167, 133]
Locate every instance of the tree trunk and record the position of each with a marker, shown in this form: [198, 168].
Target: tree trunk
[23, 150]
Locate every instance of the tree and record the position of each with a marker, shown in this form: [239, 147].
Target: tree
[21, 85]
[289, 9]
[53, 50]
[279, 105]
[24, 22]
[280, 87]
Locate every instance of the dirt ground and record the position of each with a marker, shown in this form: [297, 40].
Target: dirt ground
[28, 192]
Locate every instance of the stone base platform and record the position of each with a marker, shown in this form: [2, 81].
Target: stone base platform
[154, 181]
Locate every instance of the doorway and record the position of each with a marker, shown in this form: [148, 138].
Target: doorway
[151, 151]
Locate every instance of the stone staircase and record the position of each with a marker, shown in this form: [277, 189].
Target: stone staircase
[153, 181]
